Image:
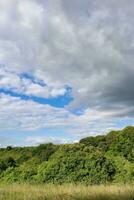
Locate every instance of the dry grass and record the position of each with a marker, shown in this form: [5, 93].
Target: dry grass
[65, 192]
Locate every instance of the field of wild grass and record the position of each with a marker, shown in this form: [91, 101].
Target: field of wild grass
[65, 192]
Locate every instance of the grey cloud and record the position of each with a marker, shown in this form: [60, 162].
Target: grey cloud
[88, 45]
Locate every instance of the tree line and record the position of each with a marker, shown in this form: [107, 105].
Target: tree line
[94, 160]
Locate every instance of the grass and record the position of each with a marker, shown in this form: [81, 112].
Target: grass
[65, 192]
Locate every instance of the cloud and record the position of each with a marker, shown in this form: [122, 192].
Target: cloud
[83, 43]
[36, 140]
[26, 85]
[79, 44]
[18, 114]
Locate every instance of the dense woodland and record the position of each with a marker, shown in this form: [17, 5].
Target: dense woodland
[94, 160]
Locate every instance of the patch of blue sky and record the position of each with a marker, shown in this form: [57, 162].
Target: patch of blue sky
[32, 78]
[79, 111]
[60, 101]
[124, 122]
[63, 132]
[19, 138]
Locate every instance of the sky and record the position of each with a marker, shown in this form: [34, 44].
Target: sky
[66, 69]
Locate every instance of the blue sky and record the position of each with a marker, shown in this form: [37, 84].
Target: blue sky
[66, 69]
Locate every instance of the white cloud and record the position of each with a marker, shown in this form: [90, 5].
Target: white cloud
[8, 79]
[77, 43]
[18, 114]
[80, 44]
[13, 81]
[36, 140]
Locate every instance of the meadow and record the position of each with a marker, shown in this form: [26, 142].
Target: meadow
[65, 192]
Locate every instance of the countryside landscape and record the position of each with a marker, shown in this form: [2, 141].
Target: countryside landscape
[67, 100]
[100, 167]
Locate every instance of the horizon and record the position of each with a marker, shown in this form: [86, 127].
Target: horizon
[75, 142]
[66, 70]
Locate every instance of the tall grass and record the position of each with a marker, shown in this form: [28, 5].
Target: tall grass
[65, 192]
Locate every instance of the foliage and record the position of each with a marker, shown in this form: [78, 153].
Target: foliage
[94, 160]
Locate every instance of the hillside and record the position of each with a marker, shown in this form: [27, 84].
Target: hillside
[94, 160]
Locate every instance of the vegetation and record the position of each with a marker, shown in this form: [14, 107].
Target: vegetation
[106, 159]
[65, 192]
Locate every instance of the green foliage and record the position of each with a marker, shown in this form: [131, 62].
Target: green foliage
[124, 143]
[44, 151]
[7, 162]
[94, 160]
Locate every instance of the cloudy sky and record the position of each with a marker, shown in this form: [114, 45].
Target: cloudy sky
[66, 69]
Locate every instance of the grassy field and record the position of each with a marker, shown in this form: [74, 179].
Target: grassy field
[65, 192]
